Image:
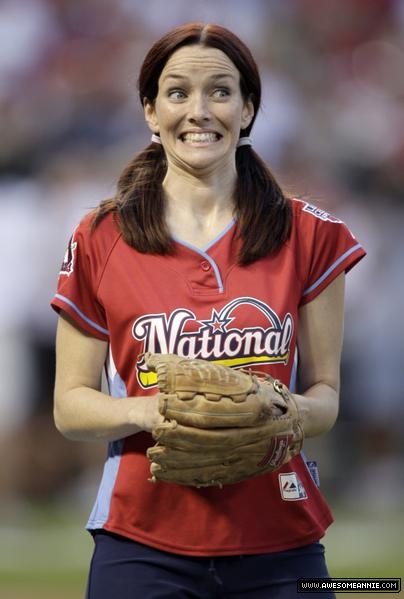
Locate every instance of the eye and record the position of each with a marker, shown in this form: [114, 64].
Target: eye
[221, 93]
[176, 94]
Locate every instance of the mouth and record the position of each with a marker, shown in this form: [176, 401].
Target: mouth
[202, 137]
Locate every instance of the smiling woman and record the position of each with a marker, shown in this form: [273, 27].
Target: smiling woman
[256, 198]
[200, 107]
[201, 254]
[198, 114]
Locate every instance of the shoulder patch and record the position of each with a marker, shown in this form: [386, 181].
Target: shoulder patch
[68, 261]
[319, 213]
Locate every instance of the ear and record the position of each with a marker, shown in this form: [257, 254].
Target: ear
[247, 113]
[150, 115]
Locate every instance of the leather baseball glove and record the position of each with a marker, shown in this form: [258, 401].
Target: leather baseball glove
[221, 425]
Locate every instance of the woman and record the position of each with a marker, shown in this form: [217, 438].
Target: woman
[200, 254]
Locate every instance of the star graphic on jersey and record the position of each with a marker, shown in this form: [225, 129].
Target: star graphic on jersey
[216, 323]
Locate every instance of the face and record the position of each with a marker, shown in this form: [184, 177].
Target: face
[199, 109]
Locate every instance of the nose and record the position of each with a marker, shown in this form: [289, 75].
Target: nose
[198, 108]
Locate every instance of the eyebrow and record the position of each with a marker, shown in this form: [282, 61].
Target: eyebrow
[179, 77]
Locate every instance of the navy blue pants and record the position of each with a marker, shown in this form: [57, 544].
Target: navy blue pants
[123, 569]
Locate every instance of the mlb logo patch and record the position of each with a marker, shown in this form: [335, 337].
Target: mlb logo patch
[291, 487]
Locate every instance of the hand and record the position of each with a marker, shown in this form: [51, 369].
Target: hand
[145, 412]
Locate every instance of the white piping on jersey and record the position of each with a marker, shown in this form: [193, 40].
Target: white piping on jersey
[81, 314]
[293, 374]
[116, 384]
[332, 267]
[205, 256]
[110, 368]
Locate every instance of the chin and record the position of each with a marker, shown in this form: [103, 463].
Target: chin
[201, 156]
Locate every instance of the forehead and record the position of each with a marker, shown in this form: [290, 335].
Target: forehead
[188, 59]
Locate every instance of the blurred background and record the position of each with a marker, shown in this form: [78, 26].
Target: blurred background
[332, 130]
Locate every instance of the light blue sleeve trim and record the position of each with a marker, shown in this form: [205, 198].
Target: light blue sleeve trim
[81, 314]
[331, 268]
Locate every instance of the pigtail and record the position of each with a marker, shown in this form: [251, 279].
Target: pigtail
[264, 214]
[139, 203]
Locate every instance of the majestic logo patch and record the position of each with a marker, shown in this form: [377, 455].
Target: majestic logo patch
[69, 257]
[291, 487]
[223, 337]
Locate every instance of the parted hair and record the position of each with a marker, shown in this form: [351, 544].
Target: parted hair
[262, 211]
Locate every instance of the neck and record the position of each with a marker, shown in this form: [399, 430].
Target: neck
[197, 210]
[200, 195]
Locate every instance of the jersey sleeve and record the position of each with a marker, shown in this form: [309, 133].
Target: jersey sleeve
[327, 248]
[79, 277]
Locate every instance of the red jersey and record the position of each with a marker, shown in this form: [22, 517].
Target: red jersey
[200, 303]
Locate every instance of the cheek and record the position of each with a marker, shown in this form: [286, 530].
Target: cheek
[231, 114]
[234, 122]
[167, 114]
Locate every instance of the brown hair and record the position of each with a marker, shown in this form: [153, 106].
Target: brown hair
[263, 212]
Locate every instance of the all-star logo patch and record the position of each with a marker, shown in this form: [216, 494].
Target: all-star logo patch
[291, 487]
[68, 261]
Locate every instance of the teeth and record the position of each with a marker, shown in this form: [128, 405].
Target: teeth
[200, 137]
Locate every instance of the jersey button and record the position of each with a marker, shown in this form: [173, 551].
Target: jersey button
[205, 265]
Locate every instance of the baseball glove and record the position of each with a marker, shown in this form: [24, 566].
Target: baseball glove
[221, 425]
